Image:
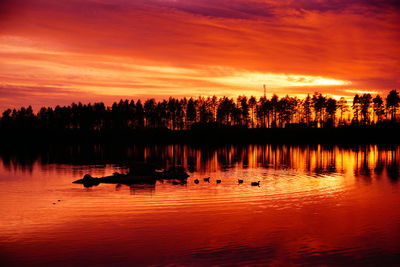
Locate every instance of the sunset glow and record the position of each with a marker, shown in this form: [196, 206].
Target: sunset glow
[57, 52]
[254, 80]
[200, 132]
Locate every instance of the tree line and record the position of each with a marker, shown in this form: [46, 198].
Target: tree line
[314, 111]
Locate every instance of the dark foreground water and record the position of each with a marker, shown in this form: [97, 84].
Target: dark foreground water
[315, 206]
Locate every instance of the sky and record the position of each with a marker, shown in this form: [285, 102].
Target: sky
[64, 51]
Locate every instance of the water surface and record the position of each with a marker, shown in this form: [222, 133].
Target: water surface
[316, 205]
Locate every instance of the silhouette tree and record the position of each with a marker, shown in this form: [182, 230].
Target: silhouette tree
[150, 113]
[306, 105]
[179, 114]
[162, 114]
[274, 110]
[172, 107]
[244, 110]
[139, 116]
[225, 111]
[263, 111]
[191, 113]
[356, 109]
[379, 107]
[6, 119]
[365, 103]
[331, 107]
[319, 101]
[206, 110]
[286, 110]
[392, 103]
[343, 108]
[252, 105]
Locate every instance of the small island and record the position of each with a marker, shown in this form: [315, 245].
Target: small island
[138, 174]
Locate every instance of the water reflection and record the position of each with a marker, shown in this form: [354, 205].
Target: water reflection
[316, 206]
[141, 189]
[363, 160]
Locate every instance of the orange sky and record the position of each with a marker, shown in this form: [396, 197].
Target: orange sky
[57, 52]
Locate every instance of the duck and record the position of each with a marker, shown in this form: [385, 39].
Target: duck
[255, 183]
[207, 179]
[196, 181]
[218, 181]
[240, 181]
[175, 183]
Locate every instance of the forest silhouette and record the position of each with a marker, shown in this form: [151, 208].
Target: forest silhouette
[203, 114]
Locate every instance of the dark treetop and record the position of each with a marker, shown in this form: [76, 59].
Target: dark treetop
[287, 118]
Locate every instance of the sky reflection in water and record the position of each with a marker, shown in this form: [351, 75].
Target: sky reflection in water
[315, 205]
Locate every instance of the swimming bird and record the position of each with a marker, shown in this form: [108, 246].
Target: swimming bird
[196, 181]
[240, 181]
[219, 181]
[255, 183]
[207, 179]
[175, 183]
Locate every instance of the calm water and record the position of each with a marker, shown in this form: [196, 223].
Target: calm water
[316, 206]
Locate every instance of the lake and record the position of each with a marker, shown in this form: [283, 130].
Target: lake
[316, 205]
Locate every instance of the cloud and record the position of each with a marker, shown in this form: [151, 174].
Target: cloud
[163, 47]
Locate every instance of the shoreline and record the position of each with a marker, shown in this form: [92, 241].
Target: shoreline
[227, 135]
